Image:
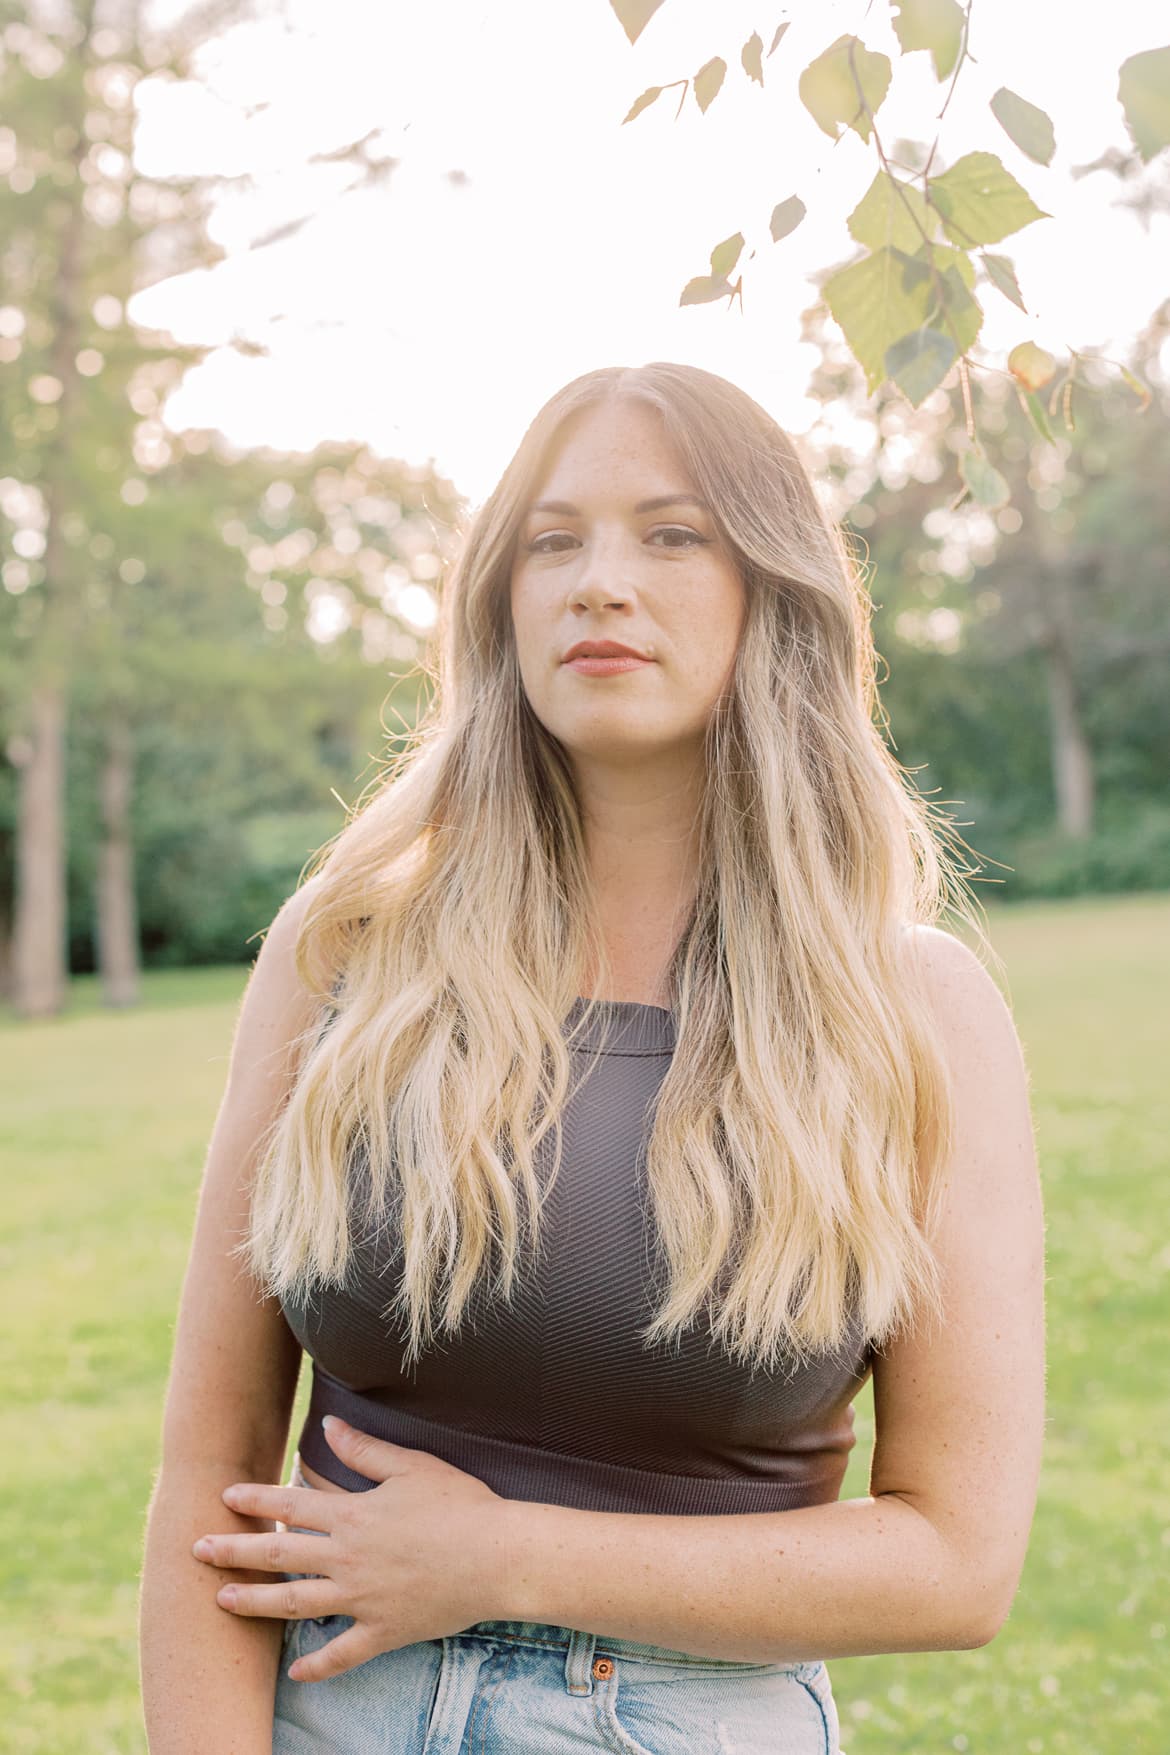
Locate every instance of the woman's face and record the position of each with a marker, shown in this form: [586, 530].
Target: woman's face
[600, 565]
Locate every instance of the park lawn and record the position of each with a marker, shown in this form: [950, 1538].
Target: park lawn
[105, 1119]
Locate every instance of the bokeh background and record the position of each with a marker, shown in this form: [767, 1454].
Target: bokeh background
[281, 286]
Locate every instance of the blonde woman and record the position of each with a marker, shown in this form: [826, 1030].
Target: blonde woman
[606, 1107]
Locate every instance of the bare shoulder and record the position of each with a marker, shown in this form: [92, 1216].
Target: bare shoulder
[286, 924]
[966, 999]
[986, 1060]
[945, 956]
[276, 1005]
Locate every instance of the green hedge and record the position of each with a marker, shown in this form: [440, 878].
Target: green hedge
[205, 893]
[1129, 850]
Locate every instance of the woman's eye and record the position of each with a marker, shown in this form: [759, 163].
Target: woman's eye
[679, 530]
[534, 547]
[692, 536]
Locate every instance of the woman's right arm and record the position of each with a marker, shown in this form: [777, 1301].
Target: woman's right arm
[208, 1676]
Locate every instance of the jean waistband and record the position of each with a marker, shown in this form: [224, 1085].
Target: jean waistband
[544, 1633]
[580, 1647]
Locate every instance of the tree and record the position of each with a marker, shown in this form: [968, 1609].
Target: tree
[77, 222]
[132, 552]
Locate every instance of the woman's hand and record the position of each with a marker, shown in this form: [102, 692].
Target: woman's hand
[421, 1555]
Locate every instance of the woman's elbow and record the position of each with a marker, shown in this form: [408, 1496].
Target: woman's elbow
[989, 1618]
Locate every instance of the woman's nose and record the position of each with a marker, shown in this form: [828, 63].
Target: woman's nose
[607, 563]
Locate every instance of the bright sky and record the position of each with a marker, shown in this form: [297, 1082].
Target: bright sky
[430, 319]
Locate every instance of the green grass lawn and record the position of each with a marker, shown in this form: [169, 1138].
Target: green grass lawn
[105, 1119]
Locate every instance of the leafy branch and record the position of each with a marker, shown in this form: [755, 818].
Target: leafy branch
[907, 306]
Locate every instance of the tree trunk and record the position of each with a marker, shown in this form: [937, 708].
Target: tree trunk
[7, 857]
[40, 948]
[39, 927]
[1072, 759]
[115, 904]
[1073, 775]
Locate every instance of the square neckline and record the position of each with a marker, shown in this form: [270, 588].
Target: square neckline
[621, 1026]
[641, 1005]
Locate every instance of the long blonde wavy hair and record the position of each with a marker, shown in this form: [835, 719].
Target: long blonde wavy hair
[806, 1110]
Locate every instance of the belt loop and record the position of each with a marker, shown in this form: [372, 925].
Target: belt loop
[579, 1662]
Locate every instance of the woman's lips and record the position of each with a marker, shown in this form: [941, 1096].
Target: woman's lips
[606, 666]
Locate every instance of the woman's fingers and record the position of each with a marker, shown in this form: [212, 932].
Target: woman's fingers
[295, 1599]
[346, 1652]
[262, 1551]
[299, 1505]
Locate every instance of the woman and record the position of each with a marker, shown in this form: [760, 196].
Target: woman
[652, 1112]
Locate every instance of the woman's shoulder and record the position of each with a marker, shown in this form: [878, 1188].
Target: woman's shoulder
[276, 1000]
[965, 998]
[939, 951]
[295, 906]
[283, 934]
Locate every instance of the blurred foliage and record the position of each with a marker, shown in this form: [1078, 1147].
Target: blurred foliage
[210, 633]
[249, 625]
[1025, 651]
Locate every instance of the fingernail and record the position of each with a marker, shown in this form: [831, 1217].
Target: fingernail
[226, 1596]
[202, 1548]
[331, 1422]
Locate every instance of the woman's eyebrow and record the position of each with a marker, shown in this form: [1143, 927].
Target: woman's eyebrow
[570, 511]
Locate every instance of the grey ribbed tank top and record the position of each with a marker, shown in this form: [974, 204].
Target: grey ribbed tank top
[554, 1398]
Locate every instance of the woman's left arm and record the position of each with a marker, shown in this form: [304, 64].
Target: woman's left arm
[931, 1560]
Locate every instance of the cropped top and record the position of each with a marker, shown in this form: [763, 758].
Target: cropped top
[554, 1397]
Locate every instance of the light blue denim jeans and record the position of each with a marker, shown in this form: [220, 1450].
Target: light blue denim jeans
[531, 1688]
